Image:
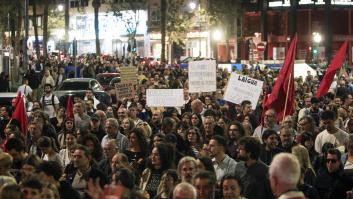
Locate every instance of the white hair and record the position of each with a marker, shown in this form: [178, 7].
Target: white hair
[187, 189]
[285, 167]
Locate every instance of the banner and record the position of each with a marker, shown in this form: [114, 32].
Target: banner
[165, 97]
[202, 76]
[124, 90]
[242, 88]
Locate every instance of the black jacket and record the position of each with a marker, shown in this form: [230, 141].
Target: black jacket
[333, 185]
[66, 191]
[255, 180]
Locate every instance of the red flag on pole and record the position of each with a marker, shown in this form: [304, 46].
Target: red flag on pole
[282, 95]
[336, 64]
[17, 100]
[69, 109]
[20, 115]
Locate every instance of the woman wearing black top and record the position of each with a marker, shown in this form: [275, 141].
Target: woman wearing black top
[137, 150]
[193, 142]
[160, 160]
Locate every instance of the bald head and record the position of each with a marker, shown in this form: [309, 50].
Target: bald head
[101, 114]
[184, 191]
[196, 106]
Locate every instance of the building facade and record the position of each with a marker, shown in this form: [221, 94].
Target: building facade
[321, 25]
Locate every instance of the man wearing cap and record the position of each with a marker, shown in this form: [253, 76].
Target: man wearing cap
[96, 127]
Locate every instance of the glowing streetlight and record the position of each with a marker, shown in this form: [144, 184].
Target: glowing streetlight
[60, 7]
[192, 5]
[217, 35]
[317, 37]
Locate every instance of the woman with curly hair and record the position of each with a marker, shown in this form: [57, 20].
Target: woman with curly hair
[92, 143]
[137, 150]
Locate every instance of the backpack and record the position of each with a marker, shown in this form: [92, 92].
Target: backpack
[52, 100]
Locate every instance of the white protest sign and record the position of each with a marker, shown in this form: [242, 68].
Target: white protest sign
[242, 88]
[164, 97]
[202, 76]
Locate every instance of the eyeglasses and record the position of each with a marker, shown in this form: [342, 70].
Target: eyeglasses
[331, 160]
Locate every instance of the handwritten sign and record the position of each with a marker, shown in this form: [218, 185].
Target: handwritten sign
[202, 76]
[124, 90]
[128, 74]
[242, 88]
[165, 97]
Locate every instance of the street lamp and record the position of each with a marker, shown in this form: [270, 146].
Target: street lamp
[193, 5]
[217, 35]
[317, 39]
[60, 7]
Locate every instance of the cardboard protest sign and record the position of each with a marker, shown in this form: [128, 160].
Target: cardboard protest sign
[165, 97]
[125, 90]
[128, 74]
[242, 88]
[202, 76]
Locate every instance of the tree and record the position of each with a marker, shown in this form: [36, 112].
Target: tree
[131, 20]
[35, 27]
[67, 23]
[96, 4]
[178, 23]
[11, 18]
[163, 28]
[223, 13]
[45, 28]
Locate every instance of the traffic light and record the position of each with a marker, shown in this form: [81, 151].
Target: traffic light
[315, 51]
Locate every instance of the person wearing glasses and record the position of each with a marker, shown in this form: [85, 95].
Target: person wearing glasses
[332, 182]
[269, 122]
[235, 132]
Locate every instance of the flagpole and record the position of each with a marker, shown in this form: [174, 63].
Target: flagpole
[285, 104]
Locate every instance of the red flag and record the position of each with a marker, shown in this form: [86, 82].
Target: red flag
[20, 115]
[336, 64]
[69, 110]
[17, 100]
[282, 95]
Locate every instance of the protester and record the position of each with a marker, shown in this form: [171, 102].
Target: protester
[206, 133]
[332, 182]
[284, 176]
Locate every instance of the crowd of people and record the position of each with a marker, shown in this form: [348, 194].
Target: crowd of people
[208, 148]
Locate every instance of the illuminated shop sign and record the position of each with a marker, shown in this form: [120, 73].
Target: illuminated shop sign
[286, 3]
